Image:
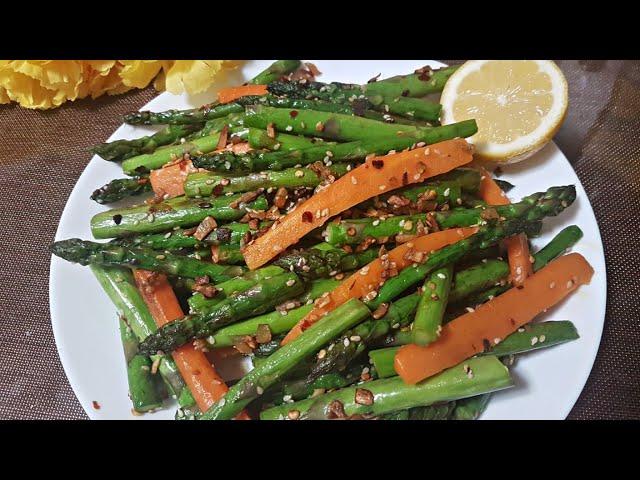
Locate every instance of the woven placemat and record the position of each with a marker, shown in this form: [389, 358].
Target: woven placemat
[42, 154]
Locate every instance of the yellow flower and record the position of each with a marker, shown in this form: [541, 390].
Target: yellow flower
[43, 84]
[192, 76]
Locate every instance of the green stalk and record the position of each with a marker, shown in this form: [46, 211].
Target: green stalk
[121, 188]
[175, 212]
[471, 408]
[348, 128]
[204, 184]
[252, 385]
[392, 394]
[121, 289]
[106, 254]
[258, 299]
[414, 85]
[567, 237]
[260, 139]
[276, 71]
[433, 302]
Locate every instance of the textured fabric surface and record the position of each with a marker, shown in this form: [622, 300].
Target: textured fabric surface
[44, 154]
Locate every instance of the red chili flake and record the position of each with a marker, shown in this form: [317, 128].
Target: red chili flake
[405, 178]
[364, 396]
[117, 219]
[307, 217]
[405, 93]
[95, 405]
[271, 130]
[377, 164]
[336, 410]
[486, 344]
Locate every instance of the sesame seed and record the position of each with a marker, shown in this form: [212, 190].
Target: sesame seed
[518, 270]
[355, 338]
[534, 340]
[364, 270]
[287, 398]
[209, 182]
[321, 354]
[303, 125]
[376, 223]
[288, 128]
[470, 374]
[259, 390]
[441, 275]
[276, 146]
[346, 342]
[521, 330]
[552, 285]
[167, 235]
[446, 192]
[570, 284]
[227, 165]
[354, 180]
[299, 173]
[290, 282]
[542, 338]
[395, 325]
[382, 187]
[161, 257]
[496, 340]
[211, 339]
[416, 176]
[469, 309]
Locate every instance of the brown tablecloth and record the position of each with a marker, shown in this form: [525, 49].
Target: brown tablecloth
[42, 155]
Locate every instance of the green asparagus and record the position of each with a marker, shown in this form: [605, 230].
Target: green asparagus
[121, 289]
[121, 188]
[107, 254]
[417, 84]
[433, 302]
[567, 237]
[348, 128]
[204, 184]
[314, 263]
[260, 139]
[439, 411]
[252, 385]
[123, 149]
[262, 297]
[276, 71]
[175, 212]
[392, 394]
[470, 408]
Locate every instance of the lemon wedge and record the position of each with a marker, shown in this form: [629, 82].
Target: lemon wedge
[519, 105]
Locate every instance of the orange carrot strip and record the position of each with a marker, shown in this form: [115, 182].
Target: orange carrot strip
[377, 175]
[520, 265]
[199, 374]
[169, 180]
[230, 94]
[473, 332]
[368, 278]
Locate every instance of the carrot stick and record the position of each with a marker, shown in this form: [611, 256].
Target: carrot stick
[517, 246]
[476, 331]
[169, 180]
[230, 94]
[368, 278]
[199, 374]
[375, 176]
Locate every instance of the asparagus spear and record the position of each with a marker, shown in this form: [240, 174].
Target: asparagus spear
[345, 128]
[567, 237]
[260, 298]
[357, 150]
[551, 203]
[144, 390]
[339, 353]
[433, 301]
[175, 212]
[252, 385]
[121, 289]
[276, 71]
[392, 394]
[107, 254]
[552, 333]
[353, 232]
[123, 149]
[226, 234]
[260, 139]
[470, 408]
[198, 302]
[226, 254]
[486, 274]
[414, 85]
[476, 278]
[317, 287]
[150, 161]
[314, 263]
[121, 188]
[204, 184]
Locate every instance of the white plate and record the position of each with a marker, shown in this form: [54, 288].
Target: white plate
[548, 382]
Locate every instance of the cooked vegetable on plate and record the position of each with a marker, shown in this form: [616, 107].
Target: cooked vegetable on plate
[341, 237]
